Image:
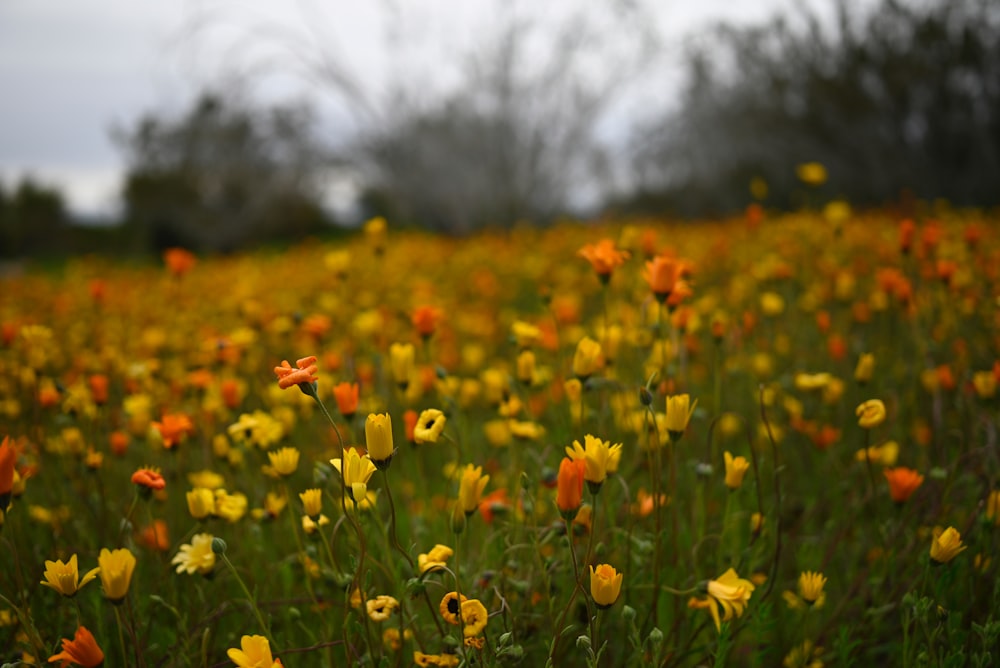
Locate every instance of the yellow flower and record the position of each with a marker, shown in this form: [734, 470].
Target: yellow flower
[430, 424]
[985, 384]
[312, 502]
[356, 474]
[811, 587]
[526, 367]
[811, 173]
[206, 478]
[380, 608]
[201, 502]
[772, 304]
[230, 507]
[885, 454]
[946, 545]
[992, 512]
[284, 461]
[401, 357]
[525, 334]
[310, 525]
[870, 414]
[378, 438]
[64, 578]
[805, 655]
[197, 556]
[599, 457]
[736, 468]
[679, 412]
[255, 652]
[434, 560]
[806, 382]
[471, 487]
[450, 606]
[587, 358]
[729, 594]
[605, 585]
[474, 617]
[865, 368]
[116, 573]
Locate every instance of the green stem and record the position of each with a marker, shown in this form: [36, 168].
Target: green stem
[250, 598]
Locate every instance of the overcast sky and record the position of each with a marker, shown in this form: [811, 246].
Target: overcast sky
[70, 70]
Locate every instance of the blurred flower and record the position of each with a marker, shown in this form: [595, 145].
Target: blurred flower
[865, 368]
[470, 489]
[82, 650]
[885, 454]
[305, 374]
[155, 536]
[525, 334]
[425, 319]
[605, 585]
[312, 525]
[8, 457]
[312, 502]
[663, 274]
[985, 384]
[440, 660]
[810, 592]
[179, 261]
[736, 468]
[429, 426]
[380, 608]
[230, 507]
[587, 359]
[346, 395]
[173, 427]
[772, 304]
[196, 556]
[992, 512]
[284, 461]
[811, 173]
[254, 652]
[410, 418]
[604, 257]
[806, 655]
[64, 578]
[946, 545]
[806, 382]
[355, 474]
[903, 482]
[401, 356]
[679, 412]
[474, 617]
[378, 438]
[116, 573]
[149, 479]
[728, 595]
[645, 503]
[870, 413]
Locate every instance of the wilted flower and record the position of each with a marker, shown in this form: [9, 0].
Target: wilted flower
[605, 585]
[474, 617]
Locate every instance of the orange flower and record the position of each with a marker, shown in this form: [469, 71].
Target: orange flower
[663, 273]
[425, 319]
[99, 388]
[346, 395]
[304, 375]
[119, 443]
[604, 257]
[903, 482]
[569, 486]
[173, 427]
[495, 502]
[907, 229]
[232, 393]
[81, 650]
[149, 478]
[7, 459]
[155, 536]
[410, 419]
[178, 260]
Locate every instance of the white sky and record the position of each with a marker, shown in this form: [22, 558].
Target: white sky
[71, 70]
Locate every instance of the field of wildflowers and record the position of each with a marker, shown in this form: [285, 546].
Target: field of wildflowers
[769, 441]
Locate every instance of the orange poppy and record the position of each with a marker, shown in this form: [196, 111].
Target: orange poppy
[155, 536]
[569, 486]
[663, 273]
[173, 427]
[604, 257]
[304, 374]
[425, 319]
[98, 388]
[178, 260]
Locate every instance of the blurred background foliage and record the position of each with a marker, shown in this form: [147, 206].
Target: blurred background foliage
[899, 101]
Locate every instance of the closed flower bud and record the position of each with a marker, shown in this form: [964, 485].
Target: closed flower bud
[378, 437]
[871, 414]
[605, 585]
[587, 359]
[736, 468]
[946, 546]
[679, 412]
